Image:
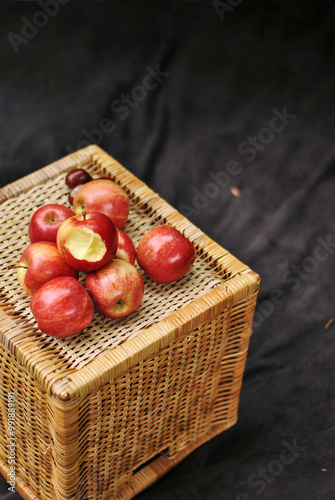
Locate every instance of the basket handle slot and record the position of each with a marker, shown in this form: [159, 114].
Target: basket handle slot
[151, 460]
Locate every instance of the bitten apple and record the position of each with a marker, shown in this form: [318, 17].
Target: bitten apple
[40, 262]
[62, 307]
[165, 254]
[87, 241]
[126, 249]
[44, 223]
[105, 196]
[116, 289]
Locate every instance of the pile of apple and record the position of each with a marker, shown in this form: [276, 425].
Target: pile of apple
[89, 239]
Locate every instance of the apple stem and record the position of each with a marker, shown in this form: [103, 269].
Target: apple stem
[84, 214]
[18, 266]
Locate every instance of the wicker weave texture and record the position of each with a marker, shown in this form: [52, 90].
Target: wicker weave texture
[106, 413]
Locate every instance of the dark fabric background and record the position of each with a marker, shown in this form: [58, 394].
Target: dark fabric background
[226, 75]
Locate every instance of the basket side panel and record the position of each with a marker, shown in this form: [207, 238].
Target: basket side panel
[238, 325]
[161, 405]
[24, 428]
[233, 362]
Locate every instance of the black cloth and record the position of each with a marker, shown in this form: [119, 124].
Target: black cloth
[235, 127]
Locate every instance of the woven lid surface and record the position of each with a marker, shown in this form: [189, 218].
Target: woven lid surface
[18, 329]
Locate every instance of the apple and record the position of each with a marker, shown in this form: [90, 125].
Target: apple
[44, 223]
[72, 194]
[62, 307]
[165, 254]
[105, 196]
[87, 241]
[116, 289]
[126, 249]
[77, 176]
[40, 262]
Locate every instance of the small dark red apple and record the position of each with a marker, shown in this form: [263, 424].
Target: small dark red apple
[72, 193]
[165, 254]
[77, 176]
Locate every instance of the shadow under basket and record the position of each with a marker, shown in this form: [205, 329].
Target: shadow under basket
[104, 414]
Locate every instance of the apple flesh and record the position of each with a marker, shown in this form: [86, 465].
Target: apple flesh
[87, 241]
[77, 176]
[116, 289]
[126, 249]
[41, 262]
[44, 223]
[62, 307]
[165, 254]
[104, 196]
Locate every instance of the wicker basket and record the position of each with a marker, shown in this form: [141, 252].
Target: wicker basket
[103, 415]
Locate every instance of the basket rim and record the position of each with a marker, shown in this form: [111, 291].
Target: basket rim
[69, 384]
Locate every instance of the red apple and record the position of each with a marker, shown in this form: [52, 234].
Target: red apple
[87, 241]
[72, 193]
[105, 196]
[126, 249]
[116, 289]
[41, 262]
[165, 254]
[44, 223]
[77, 176]
[62, 307]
